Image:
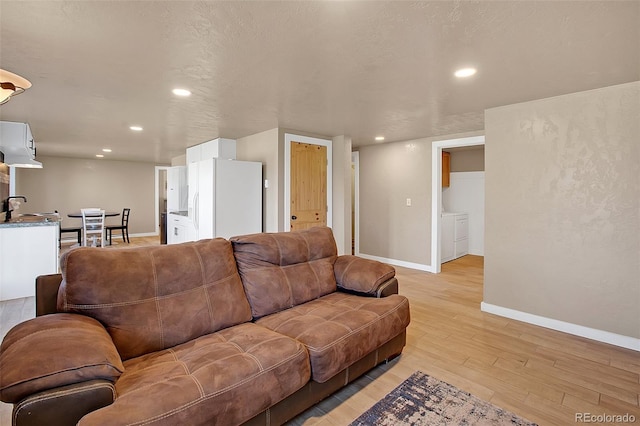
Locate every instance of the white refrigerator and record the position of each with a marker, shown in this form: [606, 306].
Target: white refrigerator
[225, 198]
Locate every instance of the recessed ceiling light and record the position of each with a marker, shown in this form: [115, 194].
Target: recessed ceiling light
[465, 72]
[106, 149]
[379, 138]
[136, 128]
[99, 155]
[181, 92]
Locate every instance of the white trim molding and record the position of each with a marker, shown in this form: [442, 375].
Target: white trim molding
[566, 327]
[396, 262]
[355, 159]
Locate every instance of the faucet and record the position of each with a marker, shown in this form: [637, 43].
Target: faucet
[5, 206]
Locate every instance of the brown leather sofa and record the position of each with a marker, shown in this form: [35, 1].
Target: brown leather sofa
[249, 331]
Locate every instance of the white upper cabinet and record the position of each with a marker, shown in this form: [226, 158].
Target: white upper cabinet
[224, 149]
[16, 140]
[194, 154]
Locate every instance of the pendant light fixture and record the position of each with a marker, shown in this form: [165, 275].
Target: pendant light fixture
[10, 85]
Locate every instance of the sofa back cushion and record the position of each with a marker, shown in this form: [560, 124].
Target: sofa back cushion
[153, 298]
[285, 269]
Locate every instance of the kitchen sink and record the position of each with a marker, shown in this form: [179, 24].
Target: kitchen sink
[33, 218]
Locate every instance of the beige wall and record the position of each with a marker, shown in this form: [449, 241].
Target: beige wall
[469, 159]
[69, 184]
[389, 174]
[342, 193]
[180, 160]
[563, 208]
[263, 147]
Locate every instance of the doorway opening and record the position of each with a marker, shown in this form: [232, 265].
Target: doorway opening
[436, 192]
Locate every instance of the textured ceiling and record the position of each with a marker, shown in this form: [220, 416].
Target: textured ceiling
[354, 68]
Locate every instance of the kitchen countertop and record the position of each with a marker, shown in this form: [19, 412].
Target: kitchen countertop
[33, 219]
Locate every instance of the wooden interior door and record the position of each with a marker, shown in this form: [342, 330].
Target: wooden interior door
[308, 185]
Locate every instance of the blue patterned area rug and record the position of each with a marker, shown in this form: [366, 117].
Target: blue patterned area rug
[423, 400]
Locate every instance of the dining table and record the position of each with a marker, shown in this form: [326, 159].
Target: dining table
[106, 214]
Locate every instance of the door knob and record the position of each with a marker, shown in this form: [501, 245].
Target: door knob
[294, 217]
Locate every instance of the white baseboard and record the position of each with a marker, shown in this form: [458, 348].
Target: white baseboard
[146, 234]
[566, 327]
[396, 262]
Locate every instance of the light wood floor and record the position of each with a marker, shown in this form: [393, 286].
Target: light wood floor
[540, 374]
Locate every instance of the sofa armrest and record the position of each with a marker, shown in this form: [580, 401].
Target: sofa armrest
[65, 405]
[55, 350]
[388, 288]
[364, 276]
[47, 293]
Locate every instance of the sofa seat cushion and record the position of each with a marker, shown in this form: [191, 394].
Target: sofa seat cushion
[219, 379]
[339, 329]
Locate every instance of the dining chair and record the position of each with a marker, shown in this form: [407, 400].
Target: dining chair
[93, 226]
[123, 227]
[73, 230]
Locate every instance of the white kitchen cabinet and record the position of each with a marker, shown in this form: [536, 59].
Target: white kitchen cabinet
[177, 189]
[224, 149]
[26, 251]
[221, 148]
[194, 154]
[454, 236]
[179, 229]
[16, 140]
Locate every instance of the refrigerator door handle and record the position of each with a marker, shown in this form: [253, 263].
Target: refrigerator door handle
[196, 208]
